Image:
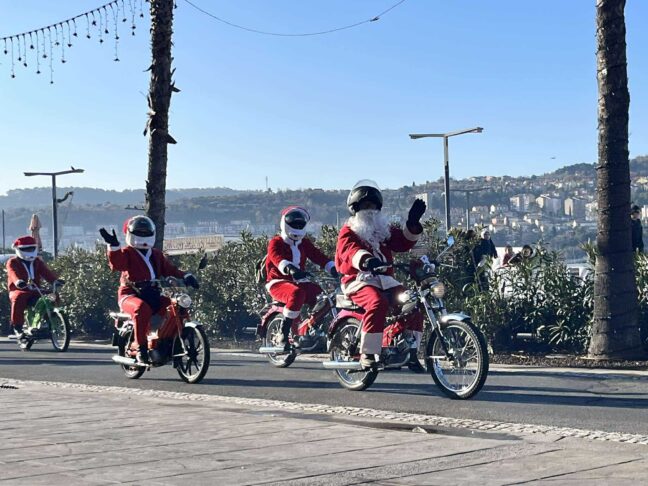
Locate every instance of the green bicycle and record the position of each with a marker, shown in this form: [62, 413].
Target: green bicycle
[46, 320]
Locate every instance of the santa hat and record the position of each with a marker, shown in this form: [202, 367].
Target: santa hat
[24, 242]
[295, 208]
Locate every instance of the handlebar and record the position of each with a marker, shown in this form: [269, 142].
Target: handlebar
[166, 282]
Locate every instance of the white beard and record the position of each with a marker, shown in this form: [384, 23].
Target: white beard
[371, 226]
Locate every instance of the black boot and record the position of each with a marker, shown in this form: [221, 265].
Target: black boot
[414, 364]
[285, 333]
[142, 355]
[368, 361]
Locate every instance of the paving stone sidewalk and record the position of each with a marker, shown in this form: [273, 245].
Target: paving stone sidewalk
[58, 435]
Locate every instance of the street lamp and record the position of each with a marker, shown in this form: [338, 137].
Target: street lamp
[468, 192]
[55, 202]
[446, 165]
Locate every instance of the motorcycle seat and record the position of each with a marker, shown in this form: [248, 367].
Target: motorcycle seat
[343, 302]
[120, 316]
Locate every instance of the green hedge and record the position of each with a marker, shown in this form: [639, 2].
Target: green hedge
[538, 296]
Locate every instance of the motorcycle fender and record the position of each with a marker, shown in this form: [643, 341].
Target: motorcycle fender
[455, 316]
[267, 317]
[342, 316]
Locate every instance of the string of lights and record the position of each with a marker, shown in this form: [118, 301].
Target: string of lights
[301, 34]
[42, 45]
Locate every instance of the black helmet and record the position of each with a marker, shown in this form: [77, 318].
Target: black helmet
[364, 190]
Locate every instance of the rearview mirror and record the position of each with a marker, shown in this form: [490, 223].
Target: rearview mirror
[451, 240]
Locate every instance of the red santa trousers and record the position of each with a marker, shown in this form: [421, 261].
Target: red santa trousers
[376, 304]
[20, 299]
[141, 313]
[295, 295]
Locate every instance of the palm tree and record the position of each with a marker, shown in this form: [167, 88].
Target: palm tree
[159, 99]
[615, 331]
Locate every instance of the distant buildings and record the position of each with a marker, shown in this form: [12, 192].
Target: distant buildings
[575, 207]
[522, 202]
[549, 204]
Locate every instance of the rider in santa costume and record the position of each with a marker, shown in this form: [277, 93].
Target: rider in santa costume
[285, 267]
[365, 243]
[140, 263]
[22, 270]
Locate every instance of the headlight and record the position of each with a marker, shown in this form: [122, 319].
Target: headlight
[438, 290]
[405, 297]
[183, 300]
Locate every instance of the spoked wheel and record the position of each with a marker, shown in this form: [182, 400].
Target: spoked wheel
[192, 359]
[272, 337]
[345, 346]
[132, 372]
[59, 330]
[461, 373]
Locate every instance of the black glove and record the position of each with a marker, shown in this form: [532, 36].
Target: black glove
[334, 273]
[191, 281]
[416, 212]
[108, 238]
[296, 273]
[21, 284]
[370, 264]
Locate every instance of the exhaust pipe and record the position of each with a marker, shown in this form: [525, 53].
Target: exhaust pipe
[342, 365]
[123, 360]
[272, 350]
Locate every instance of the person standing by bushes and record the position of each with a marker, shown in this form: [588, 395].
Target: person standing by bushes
[484, 249]
[637, 229]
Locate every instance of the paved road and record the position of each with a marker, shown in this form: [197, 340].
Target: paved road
[607, 403]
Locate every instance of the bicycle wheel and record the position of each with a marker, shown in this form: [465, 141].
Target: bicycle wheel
[59, 330]
[273, 334]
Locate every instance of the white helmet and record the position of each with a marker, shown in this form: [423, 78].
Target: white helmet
[293, 222]
[26, 248]
[140, 232]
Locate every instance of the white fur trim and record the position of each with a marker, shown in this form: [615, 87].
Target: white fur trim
[328, 266]
[355, 261]
[383, 282]
[30, 269]
[411, 236]
[147, 260]
[370, 342]
[282, 266]
[114, 248]
[290, 314]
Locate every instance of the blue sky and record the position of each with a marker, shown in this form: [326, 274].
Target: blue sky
[322, 111]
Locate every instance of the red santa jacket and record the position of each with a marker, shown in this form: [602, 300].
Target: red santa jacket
[284, 251]
[352, 250]
[137, 267]
[18, 269]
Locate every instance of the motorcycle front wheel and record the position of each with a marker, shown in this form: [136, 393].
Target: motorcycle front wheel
[345, 346]
[132, 372]
[273, 333]
[192, 360]
[59, 330]
[462, 372]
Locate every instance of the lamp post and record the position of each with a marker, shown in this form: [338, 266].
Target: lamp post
[468, 192]
[446, 165]
[55, 202]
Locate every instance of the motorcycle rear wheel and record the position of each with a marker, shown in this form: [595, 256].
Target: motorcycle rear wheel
[59, 330]
[464, 374]
[132, 372]
[193, 366]
[272, 333]
[345, 347]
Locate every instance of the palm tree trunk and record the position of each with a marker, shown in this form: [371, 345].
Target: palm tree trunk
[159, 99]
[615, 332]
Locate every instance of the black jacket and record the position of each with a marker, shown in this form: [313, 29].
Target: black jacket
[484, 248]
[637, 235]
